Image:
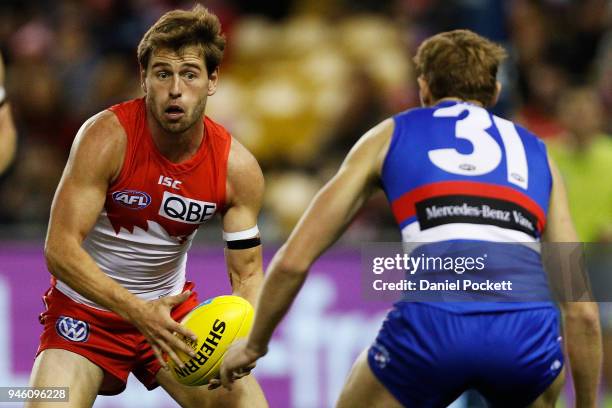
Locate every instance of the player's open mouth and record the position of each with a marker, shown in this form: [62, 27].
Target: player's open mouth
[174, 112]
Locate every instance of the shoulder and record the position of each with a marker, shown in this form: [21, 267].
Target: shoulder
[218, 130]
[100, 142]
[245, 181]
[415, 112]
[370, 151]
[102, 130]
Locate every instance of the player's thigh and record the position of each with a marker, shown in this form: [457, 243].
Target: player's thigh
[246, 393]
[63, 368]
[363, 390]
[549, 398]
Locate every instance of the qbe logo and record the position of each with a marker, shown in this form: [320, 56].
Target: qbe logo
[187, 210]
[72, 329]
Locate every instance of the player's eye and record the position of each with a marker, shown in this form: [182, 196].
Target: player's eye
[190, 75]
[162, 75]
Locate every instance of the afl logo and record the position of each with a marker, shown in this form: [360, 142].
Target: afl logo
[72, 329]
[132, 199]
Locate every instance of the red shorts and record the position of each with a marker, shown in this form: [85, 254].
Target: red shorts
[104, 338]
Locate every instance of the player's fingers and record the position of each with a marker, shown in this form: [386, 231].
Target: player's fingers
[178, 299]
[171, 354]
[243, 371]
[180, 329]
[239, 374]
[226, 378]
[178, 344]
[214, 384]
[160, 357]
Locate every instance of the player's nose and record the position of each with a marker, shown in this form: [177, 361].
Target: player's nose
[175, 88]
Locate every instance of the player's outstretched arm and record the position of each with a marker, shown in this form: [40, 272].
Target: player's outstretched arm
[581, 319]
[8, 134]
[326, 218]
[245, 188]
[95, 160]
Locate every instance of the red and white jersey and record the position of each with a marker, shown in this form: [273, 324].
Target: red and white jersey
[154, 208]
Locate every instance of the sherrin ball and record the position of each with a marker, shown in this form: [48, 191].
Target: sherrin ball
[217, 323]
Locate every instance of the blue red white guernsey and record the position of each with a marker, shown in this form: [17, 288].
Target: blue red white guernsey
[462, 180]
[154, 208]
[455, 154]
[456, 173]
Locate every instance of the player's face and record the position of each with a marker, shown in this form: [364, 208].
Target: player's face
[177, 86]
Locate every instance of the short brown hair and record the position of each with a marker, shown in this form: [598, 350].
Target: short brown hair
[178, 29]
[460, 64]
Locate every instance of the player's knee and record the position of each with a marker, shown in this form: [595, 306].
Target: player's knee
[239, 397]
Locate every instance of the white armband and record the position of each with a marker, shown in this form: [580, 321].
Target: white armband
[242, 239]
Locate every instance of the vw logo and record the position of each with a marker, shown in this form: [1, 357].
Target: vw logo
[72, 329]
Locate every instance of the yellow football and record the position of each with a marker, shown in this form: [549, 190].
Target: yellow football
[217, 322]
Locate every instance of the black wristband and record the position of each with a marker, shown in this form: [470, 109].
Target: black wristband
[243, 243]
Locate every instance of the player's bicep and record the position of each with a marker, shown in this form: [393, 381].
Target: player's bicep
[94, 159]
[245, 189]
[336, 204]
[243, 254]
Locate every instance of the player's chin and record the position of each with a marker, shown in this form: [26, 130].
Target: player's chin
[175, 126]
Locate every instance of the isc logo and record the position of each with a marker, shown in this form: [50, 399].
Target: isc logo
[179, 208]
[169, 182]
[132, 199]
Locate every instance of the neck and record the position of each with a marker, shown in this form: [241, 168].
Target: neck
[176, 147]
[454, 99]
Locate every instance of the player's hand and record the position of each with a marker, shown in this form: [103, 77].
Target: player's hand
[155, 323]
[238, 362]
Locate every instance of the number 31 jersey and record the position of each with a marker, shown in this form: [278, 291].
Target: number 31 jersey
[467, 182]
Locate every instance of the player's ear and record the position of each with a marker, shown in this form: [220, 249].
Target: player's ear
[498, 88]
[424, 92]
[213, 78]
[143, 76]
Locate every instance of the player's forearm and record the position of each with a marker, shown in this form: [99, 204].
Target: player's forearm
[245, 272]
[584, 347]
[248, 287]
[281, 286]
[69, 262]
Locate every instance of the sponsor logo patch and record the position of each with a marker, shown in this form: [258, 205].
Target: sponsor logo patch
[132, 199]
[187, 210]
[72, 329]
[475, 210]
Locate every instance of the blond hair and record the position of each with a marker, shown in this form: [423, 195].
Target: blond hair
[460, 64]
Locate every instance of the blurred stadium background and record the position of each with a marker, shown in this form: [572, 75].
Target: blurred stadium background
[300, 82]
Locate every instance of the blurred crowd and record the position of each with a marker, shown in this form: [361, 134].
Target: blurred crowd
[301, 81]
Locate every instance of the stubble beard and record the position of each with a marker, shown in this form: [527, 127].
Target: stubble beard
[184, 123]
